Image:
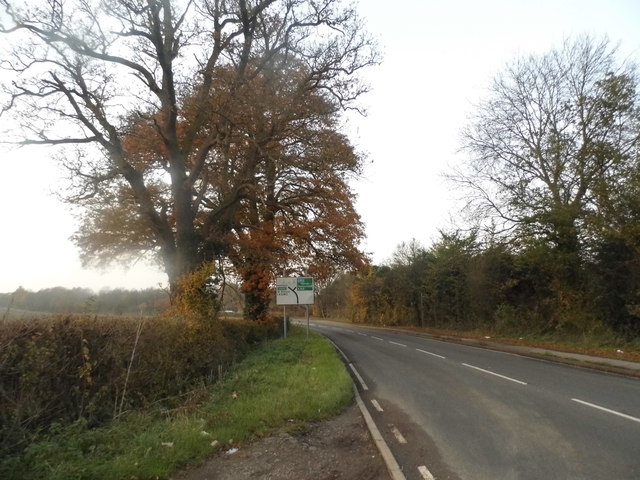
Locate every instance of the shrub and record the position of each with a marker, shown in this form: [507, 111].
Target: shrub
[57, 370]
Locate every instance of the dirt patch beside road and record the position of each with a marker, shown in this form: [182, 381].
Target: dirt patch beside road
[339, 448]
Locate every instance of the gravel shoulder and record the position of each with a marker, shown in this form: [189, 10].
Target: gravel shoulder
[338, 448]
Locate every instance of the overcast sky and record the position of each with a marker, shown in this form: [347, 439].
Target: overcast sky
[439, 57]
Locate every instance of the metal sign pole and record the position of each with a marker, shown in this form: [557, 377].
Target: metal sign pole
[284, 314]
[307, 320]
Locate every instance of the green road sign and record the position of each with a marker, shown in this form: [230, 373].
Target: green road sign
[305, 283]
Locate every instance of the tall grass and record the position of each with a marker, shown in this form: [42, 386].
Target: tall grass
[286, 383]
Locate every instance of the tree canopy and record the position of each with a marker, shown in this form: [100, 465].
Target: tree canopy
[552, 185]
[553, 131]
[202, 131]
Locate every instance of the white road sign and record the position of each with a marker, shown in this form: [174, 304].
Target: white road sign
[294, 291]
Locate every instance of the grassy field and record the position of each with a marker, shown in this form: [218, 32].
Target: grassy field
[282, 385]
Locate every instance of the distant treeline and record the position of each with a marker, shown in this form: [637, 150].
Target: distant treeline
[83, 300]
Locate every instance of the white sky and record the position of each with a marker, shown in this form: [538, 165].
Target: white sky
[439, 57]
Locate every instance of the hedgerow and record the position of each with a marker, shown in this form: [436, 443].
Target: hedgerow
[57, 370]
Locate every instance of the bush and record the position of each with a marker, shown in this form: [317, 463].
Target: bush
[57, 370]
[286, 382]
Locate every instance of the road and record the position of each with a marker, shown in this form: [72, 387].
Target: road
[450, 411]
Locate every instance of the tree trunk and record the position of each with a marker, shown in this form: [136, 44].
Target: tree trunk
[257, 297]
[186, 258]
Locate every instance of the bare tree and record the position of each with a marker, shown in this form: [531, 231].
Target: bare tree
[86, 73]
[553, 128]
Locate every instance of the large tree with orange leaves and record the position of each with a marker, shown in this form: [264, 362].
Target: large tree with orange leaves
[274, 191]
[192, 157]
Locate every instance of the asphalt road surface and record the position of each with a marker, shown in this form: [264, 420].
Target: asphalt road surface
[450, 411]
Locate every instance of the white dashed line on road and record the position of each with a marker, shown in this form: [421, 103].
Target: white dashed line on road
[426, 474]
[592, 405]
[495, 374]
[430, 353]
[392, 464]
[399, 344]
[398, 435]
[377, 338]
[377, 405]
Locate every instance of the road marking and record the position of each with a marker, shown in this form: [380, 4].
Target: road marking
[399, 344]
[496, 374]
[398, 435]
[360, 379]
[430, 353]
[340, 351]
[377, 338]
[623, 415]
[377, 405]
[426, 474]
[392, 465]
[363, 334]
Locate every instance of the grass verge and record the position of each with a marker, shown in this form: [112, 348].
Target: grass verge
[604, 345]
[285, 383]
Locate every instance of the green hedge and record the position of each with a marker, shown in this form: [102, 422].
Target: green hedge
[56, 370]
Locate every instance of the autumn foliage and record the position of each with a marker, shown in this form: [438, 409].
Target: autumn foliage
[274, 193]
[202, 131]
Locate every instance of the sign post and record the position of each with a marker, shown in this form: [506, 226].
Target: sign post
[294, 291]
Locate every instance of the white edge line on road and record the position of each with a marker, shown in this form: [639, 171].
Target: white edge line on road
[398, 435]
[377, 405]
[377, 338]
[430, 353]
[623, 415]
[399, 344]
[339, 350]
[360, 379]
[496, 374]
[353, 369]
[392, 464]
[426, 474]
